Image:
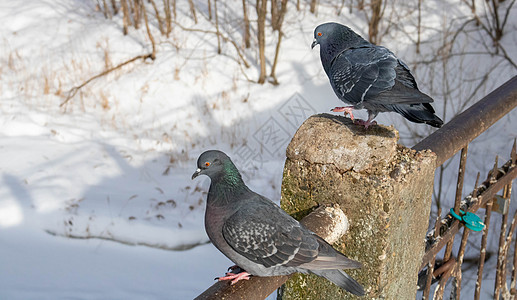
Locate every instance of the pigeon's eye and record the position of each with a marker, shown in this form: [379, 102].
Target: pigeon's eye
[207, 164]
[320, 34]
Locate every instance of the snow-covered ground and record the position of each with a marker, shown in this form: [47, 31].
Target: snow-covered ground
[114, 163]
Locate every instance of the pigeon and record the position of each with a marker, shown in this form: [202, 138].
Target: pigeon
[368, 76]
[258, 236]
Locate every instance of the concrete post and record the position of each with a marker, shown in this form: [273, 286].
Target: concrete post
[385, 191]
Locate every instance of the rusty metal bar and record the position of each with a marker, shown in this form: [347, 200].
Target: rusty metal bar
[484, 194]
[466, 126]
[429, 279]
[254, 288]
[501, 286]
[438, 294]
[430, 267]
[457, 198]
[482, 252]
[461, 254]
[507, 248]
[501, 257]
[513, 282]
[461, 177]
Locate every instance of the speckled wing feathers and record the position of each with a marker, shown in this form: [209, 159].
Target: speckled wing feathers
[262, 234]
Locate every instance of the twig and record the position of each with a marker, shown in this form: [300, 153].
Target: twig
[75, 89]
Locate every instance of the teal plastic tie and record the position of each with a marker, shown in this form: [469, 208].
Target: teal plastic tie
[471, 221]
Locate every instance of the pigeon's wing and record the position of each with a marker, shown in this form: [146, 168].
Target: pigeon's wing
[266, 235]
[362, 73]
[404, 75]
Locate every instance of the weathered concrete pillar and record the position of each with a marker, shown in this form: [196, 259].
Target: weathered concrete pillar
[385, 191]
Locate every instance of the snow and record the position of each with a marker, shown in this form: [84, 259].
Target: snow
[111, 168]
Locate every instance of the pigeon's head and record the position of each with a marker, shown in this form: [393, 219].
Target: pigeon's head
[211, 163]
[335, 33]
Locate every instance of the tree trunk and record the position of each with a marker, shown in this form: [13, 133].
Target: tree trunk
[106, 10]
[136, 13]
[419, 26]
[217, 28]
[168, 17]
[157, 13]
[192, 10]
[280, 21]
[125, 18]
[277, 51]
[246, 25]
[151, 38]
[114, 6]
[373, 24]
[314, 3]
[209, 10]
[261, 7]
[274, 14]
[174, 9]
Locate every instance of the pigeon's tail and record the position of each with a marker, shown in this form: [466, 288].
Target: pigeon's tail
[341, 279]
[418, 113]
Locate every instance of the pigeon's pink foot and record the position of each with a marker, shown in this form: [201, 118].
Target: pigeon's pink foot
[235, 277]
[366, 124]
[345, 109]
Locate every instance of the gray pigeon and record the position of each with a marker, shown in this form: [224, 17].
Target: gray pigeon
[367, 76]
[258, 236]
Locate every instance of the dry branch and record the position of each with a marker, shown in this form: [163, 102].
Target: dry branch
[73, 91]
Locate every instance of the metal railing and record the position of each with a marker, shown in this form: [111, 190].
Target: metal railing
[445, 142]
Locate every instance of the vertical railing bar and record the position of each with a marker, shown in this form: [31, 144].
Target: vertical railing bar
[500, 272]
[482, 252]
[461, 176]
[430, 266]
[457, 198]
[464, 238]
[461, 254]
[507, 194]
[507, 249]
[429, 279]
[513, 282]
[457, 202]
[438, 294]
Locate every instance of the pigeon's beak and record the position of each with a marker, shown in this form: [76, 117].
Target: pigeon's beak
[314, 43]
[196, 174]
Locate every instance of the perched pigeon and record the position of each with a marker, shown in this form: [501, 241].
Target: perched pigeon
[259, 236]
[371, 77]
